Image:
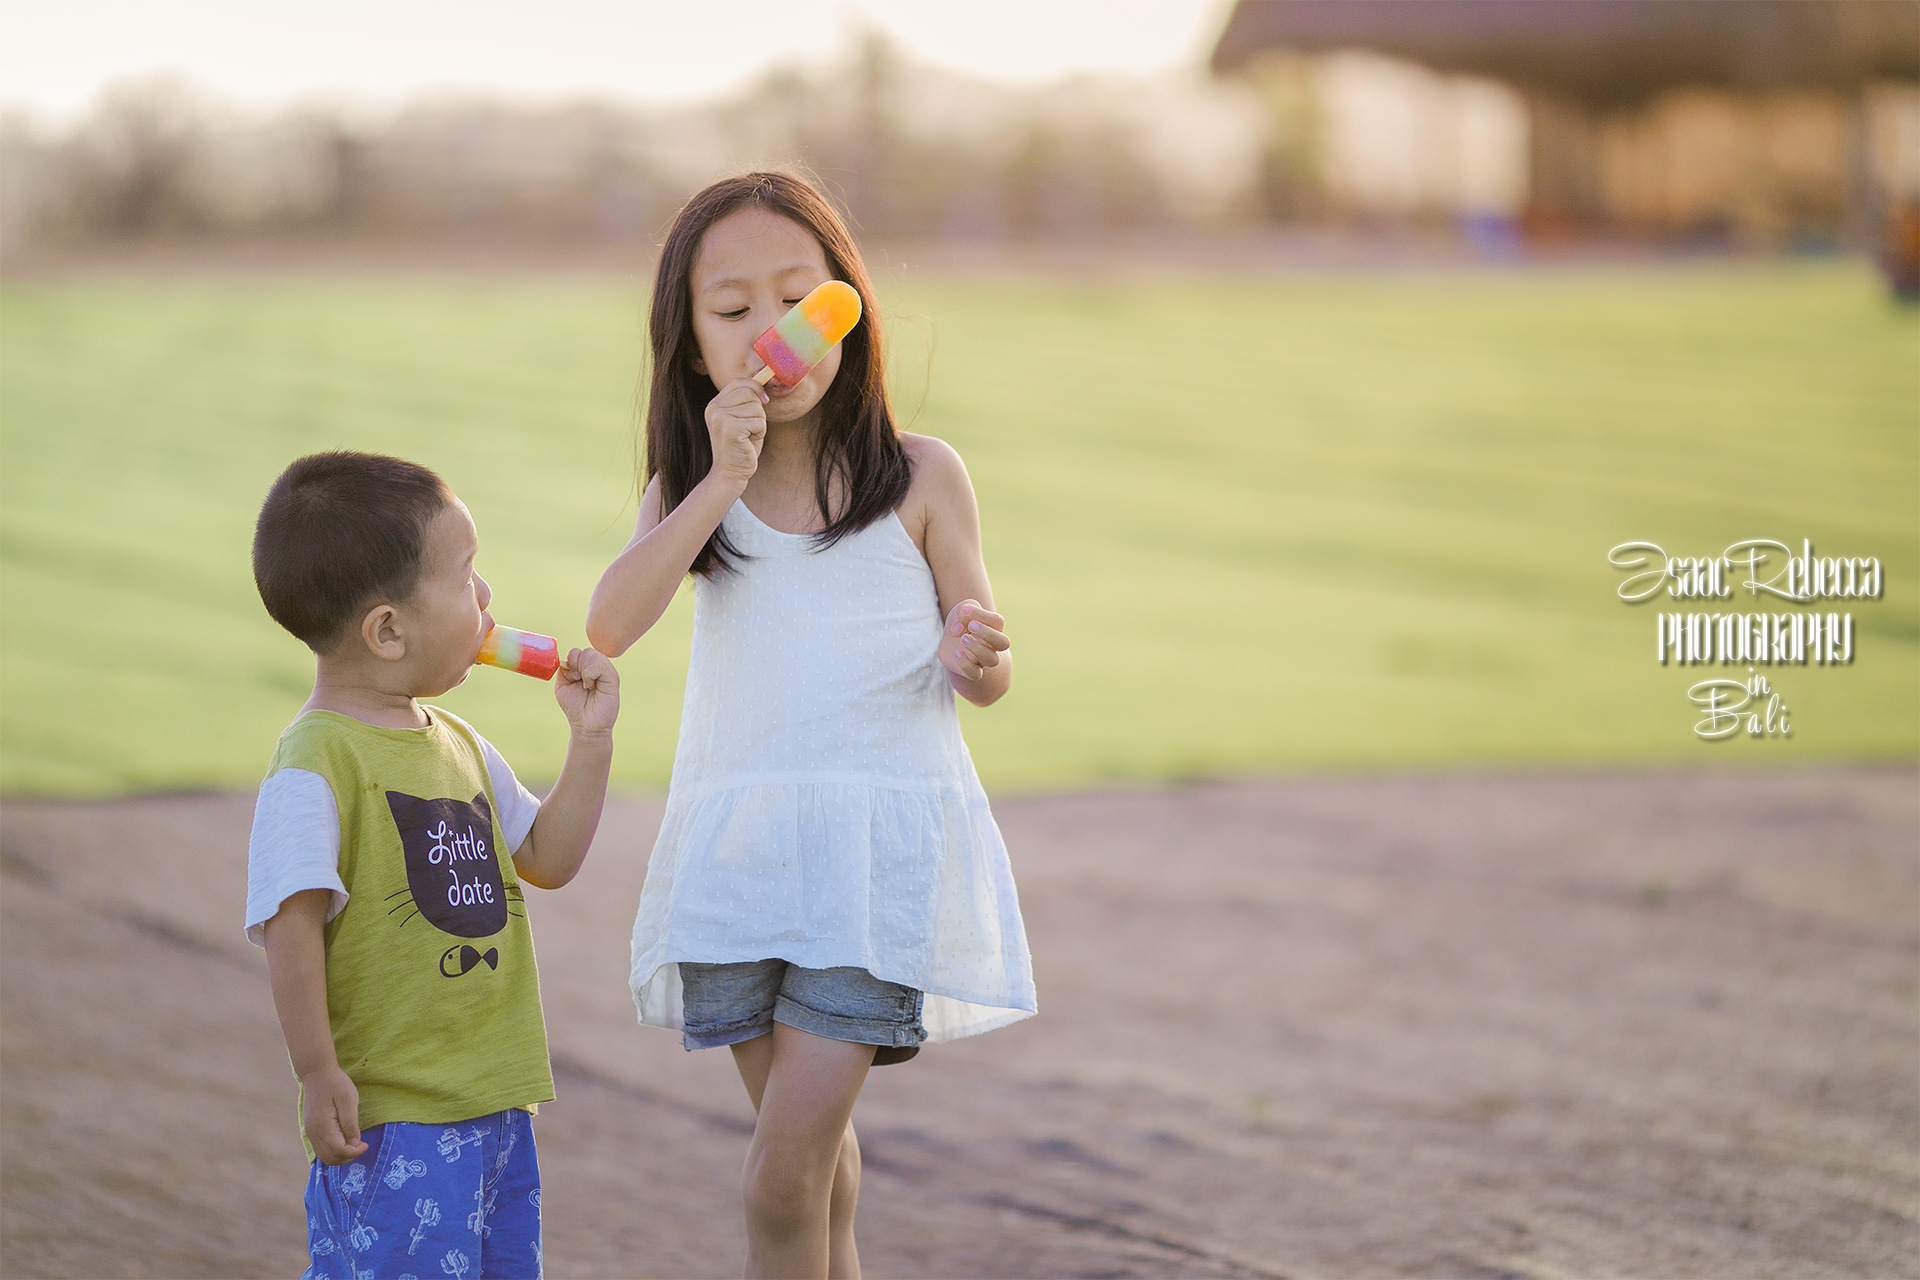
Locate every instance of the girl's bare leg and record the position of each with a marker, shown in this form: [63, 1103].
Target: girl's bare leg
[802, 1176]
[843, 1259]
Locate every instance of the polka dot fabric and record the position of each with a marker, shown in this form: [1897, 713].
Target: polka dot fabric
[823, 808]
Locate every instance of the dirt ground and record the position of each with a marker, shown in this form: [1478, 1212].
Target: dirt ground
[1477, 1026]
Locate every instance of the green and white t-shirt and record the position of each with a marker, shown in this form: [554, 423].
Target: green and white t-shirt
[432, 991]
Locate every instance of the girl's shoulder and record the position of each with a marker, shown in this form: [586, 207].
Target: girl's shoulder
[937, 468]
[940, 485]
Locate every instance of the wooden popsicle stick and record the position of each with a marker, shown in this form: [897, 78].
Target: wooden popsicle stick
[764, 375]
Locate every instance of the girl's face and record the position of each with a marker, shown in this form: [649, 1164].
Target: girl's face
[752, 266]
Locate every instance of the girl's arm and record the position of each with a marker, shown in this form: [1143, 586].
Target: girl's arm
[639, 585]
[974, 648]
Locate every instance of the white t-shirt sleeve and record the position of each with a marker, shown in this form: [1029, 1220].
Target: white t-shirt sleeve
[518, 806]
[295, 846]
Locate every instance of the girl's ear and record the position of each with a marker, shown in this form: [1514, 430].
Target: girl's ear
[699, 366]
[381, 631]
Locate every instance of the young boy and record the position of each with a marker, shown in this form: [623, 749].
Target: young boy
[379, 881]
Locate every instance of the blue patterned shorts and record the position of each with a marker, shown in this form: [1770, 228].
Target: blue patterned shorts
[430, 1201]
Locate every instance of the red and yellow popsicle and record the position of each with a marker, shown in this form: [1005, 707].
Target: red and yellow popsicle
[801, 338]
[524, 651]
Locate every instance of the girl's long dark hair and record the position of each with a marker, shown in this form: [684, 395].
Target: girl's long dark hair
[857, 441]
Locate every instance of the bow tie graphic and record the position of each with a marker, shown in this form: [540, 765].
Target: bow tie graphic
[468, 957]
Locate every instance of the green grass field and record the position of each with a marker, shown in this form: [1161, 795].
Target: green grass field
[1317, 523]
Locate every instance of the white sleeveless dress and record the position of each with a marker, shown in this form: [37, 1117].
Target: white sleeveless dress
[823, 808]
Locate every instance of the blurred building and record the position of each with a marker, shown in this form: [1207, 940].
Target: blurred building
[1767, 122]
[1792, 123]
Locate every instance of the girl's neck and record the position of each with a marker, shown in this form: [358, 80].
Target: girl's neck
[781, 492]
[789, 447]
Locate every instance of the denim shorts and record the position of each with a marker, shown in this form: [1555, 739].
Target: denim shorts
[728, 1003]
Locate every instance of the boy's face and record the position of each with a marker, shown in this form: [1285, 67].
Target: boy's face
[752, 267]
[445, 619]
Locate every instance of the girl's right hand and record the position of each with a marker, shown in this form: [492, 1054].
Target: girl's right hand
[737, 426]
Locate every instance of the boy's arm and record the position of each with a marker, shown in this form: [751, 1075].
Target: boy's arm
[297, 966]
[588, 690]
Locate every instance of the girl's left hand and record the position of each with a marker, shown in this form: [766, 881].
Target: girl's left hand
[973, 640]
[588, 690]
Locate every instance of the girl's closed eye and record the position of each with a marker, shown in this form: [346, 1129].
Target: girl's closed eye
[739, 312]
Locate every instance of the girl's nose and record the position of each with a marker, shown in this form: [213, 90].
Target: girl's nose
[482, 592]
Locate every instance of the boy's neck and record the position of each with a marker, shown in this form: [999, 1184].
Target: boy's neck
[363, 696]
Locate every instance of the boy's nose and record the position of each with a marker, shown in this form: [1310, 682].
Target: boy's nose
[482, 592]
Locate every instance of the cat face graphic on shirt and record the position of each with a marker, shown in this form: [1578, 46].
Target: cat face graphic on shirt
[453, 873]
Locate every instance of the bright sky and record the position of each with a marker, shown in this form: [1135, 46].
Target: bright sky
[56, 54]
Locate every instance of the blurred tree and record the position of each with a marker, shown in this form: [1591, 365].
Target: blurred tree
[132, 175]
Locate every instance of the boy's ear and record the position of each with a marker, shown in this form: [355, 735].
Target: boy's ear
[380, 630]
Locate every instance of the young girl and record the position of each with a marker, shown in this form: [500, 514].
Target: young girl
[828, 889]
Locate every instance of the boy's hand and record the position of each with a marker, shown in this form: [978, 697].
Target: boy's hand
[588, 691]
[330, 1111]
[973, 640]
[736, 426]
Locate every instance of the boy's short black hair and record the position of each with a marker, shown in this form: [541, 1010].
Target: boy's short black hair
[337, 532]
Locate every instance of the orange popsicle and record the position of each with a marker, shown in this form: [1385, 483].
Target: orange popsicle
[801, 338]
